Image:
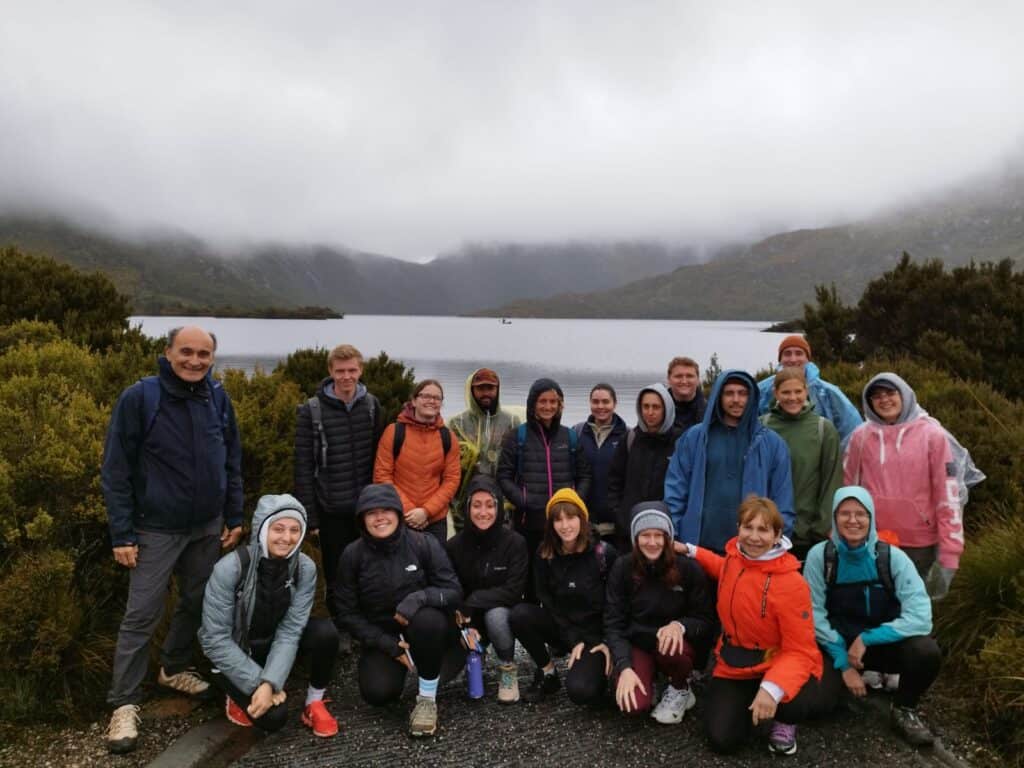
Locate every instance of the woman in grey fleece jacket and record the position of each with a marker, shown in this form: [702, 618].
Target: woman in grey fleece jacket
[256, 618]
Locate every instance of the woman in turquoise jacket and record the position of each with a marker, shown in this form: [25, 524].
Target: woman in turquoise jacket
[871, 611]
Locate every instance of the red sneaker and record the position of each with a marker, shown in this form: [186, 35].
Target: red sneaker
[320, 720]
[236, 714]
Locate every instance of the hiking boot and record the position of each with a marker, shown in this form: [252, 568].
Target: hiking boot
[541, 686]
[508, 684]
[423, 721]
[235, 714]
[782, 739]
[908, 724]
[892, 682]
[316, 716]
[873, 680]
[187, 681]
[673, 705]
[123, 731]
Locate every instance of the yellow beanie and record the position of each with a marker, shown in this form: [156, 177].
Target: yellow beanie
[570, 496]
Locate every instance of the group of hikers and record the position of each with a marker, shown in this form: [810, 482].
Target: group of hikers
[767, 539]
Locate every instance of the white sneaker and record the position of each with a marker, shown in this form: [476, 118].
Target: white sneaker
[892, 682]
[187, 681]
[673, 705]
[123, 731]
[872, 679]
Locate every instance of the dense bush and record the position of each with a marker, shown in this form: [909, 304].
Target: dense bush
[85, 307]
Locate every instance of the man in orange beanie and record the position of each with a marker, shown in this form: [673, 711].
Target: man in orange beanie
[828, 400]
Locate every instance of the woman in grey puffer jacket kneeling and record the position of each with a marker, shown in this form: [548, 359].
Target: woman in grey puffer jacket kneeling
[256, 618]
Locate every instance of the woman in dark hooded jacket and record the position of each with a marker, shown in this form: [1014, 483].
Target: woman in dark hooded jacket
[637, 471]
[600, 436]
[492, 565]
[397, 594]
[569, 575]
[659, 617]
[537, 459]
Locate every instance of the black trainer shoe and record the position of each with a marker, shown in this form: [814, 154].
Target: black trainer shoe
[541, 686]
[908, 724]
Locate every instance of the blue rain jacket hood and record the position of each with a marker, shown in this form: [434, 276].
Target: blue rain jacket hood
[766, 464]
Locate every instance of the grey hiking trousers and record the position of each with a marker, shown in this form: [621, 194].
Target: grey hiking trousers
[190, 557]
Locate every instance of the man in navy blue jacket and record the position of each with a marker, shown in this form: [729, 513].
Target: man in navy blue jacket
[172, 482]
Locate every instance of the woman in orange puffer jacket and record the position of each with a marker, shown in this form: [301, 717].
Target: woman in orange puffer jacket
[767, 654]
[424, 465]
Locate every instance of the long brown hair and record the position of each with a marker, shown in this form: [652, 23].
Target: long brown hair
[664, 568]
[551, 544]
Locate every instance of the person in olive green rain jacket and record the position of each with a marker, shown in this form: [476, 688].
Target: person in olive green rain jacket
[814, 452]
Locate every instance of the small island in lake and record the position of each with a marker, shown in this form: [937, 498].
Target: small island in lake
[261, 313]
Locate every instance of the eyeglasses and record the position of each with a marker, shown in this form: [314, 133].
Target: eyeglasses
[857, 514]
[884, 394]
[430, 398]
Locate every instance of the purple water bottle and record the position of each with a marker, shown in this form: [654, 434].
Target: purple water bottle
[474, 668]
[475, 675]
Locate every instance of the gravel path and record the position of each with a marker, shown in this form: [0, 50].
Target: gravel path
[483, 732]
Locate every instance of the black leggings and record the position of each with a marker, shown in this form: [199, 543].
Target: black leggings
[916, 660]
[728, 719]
[320, 644]
[433, 639]
[535, 628]
[336, 533]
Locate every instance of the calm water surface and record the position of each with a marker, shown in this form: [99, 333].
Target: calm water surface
[628, 354]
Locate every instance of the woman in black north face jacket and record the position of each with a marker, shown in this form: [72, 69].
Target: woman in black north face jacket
[569, 576]
[492, 565]
[538, 458]
[397, 594]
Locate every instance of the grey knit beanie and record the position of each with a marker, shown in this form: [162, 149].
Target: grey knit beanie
[648, 515]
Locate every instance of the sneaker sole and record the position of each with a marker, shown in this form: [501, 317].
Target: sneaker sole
[782, 751]
[122, 746]
[322, 734]
[691, 702]
[418, 734]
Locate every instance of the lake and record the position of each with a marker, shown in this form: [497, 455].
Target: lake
[628, 354]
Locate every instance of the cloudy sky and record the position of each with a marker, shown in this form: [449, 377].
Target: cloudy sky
[408, 128]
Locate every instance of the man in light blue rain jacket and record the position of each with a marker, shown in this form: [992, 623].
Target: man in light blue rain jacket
[721, 461]
[828, 400]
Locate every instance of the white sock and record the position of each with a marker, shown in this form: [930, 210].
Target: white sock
[428, 688]
[314, 694]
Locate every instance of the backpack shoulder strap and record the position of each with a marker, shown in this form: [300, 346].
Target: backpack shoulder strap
[446, 439]
[630, 439]
[829, 563]
[372, 405]
[520, 444]
[244, 558]
[821, 429]
[883, 564]
[578, 428]
[319, 435]
[150, 401]
[219, 396]
[602, 558]
[573, 442]
[396, 445]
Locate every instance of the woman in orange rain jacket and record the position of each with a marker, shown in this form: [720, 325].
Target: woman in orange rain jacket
[419, 455]
[767, 654]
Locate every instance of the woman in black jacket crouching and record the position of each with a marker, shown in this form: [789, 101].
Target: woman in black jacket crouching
[658, 618]
[491, 563]
[569, 572]
[397, 595]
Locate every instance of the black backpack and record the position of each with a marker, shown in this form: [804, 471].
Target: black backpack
[883, 564]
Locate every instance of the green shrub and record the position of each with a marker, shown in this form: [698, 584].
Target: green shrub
[86, 307]
[999, 673]
[390, 381]
[306, 367]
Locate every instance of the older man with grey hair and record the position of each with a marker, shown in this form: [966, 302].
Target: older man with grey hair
[172, 482]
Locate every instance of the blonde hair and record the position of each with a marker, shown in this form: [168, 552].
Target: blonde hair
[344, 352]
